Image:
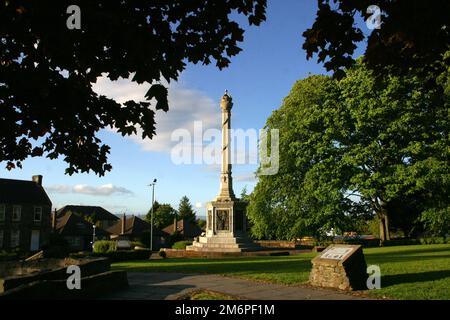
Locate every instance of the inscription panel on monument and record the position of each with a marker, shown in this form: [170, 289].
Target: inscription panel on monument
[336, 253]
[222, 220]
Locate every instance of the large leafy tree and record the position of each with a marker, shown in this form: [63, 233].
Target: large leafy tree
[47, 105]
[413, 34]
[163, 215]
[305, 197]
[185, 210]
[362, 144]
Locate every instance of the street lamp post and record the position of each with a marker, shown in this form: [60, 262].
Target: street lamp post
[93, 237]
[153, 204]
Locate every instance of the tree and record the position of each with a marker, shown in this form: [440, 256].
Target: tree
[413, 34]
[163, 215]
[299, 200]
[360, 145]
[48, 107]
[185, 210]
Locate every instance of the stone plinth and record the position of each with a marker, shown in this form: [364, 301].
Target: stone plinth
[340, 266]
[225, 229]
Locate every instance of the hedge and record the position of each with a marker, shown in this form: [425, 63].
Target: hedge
[126, 255]
[181, 244]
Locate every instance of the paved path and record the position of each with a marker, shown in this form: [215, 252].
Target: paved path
[169, 286]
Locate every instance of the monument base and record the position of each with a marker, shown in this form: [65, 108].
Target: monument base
[224, 242]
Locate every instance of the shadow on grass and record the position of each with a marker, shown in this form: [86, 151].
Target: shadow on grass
[221, 266]
[406, 251]
[390, 280]
[394, 258]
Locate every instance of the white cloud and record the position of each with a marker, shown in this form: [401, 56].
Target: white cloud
[198, 205]
[103, 190]
[185, 107]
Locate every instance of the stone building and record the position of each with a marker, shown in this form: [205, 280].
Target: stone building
[185, 228]
[135, 229]
[77, 231]
[104, 219]
[25, 211]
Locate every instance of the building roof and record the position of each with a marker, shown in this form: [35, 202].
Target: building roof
[22, 192]
[133, 226]
[185, 227]
[100, 213]
[71, 224]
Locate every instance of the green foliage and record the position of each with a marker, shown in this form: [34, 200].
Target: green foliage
[8, 256]
[351, 148]
[105, 246]
[60, 115]
[163, 215]
[437, 221]
[181, 244]
[201, 223]
[126, 255]
[185, 210]
[408, 30]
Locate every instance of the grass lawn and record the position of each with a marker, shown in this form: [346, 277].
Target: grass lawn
[408, 272]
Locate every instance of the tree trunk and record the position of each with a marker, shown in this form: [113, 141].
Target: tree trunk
[385, 216]
[382, 229]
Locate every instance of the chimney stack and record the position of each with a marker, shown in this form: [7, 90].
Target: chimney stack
[124, 219]
[37, 179]
[54, 221]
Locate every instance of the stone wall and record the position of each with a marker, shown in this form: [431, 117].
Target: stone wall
[91, 287]
[50, 269]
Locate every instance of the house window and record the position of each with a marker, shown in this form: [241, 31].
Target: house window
[15, 238]
[37, 214]
[2, 233]
[17, 213]
[2, 212]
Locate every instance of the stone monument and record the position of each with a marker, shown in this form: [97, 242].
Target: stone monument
[226, 215]
[341, 267]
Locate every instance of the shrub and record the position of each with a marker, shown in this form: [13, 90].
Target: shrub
[8, 256]
[105, 246]
[126, 255]
[434, 240]
[181, 244]
[399, 242]
[137, 244]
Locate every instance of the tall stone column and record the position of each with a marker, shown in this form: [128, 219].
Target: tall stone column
[226, 181]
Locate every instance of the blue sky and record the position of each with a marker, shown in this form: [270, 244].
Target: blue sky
[258, 80]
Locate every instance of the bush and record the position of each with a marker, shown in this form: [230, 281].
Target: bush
[434, 240]
[126, 255]
[105, 246]
[135, 244]
[181, 244]
[399, 242]
[8, 256]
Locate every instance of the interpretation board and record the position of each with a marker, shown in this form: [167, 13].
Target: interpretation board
[340, 266]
